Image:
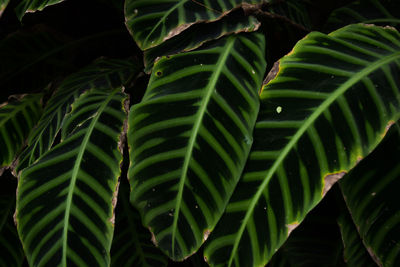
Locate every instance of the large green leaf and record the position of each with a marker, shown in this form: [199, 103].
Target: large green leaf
[17, 118]
[190, 136]
[355, 253]
[328, 107]
[371, 194]
[26, 6]
[382, 12]
[132, 244]
[68, 193]
[152, 22]
[102, 74]
[3, 5]
[199, 33]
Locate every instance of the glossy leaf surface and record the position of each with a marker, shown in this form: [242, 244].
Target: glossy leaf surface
[132, 244]
[33, 5]
[371, 194]
[152, 22]
[199, 33]
[190, 136]
[328, 107]
[382, 12]
[17, 118]
[69, 192]
[102, 74]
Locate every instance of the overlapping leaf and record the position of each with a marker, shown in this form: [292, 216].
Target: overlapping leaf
[69, 192]
[132, 244]
[199, 33]
[152, 22]
[104, 73]
[190, 136]
[3, 5]
[17, 118]
[11, 253]
[355, 253]
[382, 12]
[316, 242]
[371, 194]
[328, 107]
[33, 5]
[32, 58]
[293, 10]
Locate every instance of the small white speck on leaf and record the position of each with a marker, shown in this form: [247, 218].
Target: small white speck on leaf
[278, 109]
[373, 194]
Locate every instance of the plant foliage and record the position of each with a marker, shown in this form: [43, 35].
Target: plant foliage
[195, 144]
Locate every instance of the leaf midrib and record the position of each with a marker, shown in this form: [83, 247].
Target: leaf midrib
[310, 120]
[195, 130]
[75, 175]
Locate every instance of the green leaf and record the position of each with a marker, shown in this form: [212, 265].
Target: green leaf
[199, 33]
[69, 192]
[132, 244]
[382, 12]
[3, 5]
[328, 107]
[152, 22]
[190, 136]
[26, 6]
[317, 241]
[355, 253]
[17, 118]
[371, 194]
[104, 73]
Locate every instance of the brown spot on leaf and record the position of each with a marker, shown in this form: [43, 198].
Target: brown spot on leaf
[291, 227]
[272, 73]
[330, 180]
[153, 238]
[206, 233]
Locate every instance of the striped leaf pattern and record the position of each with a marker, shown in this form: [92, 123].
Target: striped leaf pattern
[190, 136]
[69, 192]
[17, 118]
[317, 241]
[33, 5]
[3, 5]
[152, 22]
[132, 244]
[355, 253]
[371, 194]
[102, 74]
[382, 12]
[195, 36]
[11, 253]
[327, 108]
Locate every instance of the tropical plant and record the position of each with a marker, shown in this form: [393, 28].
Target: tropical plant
[227, 143]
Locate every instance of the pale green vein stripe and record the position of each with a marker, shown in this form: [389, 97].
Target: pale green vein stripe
[280, 93]
[356, 77]
[196, 127]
